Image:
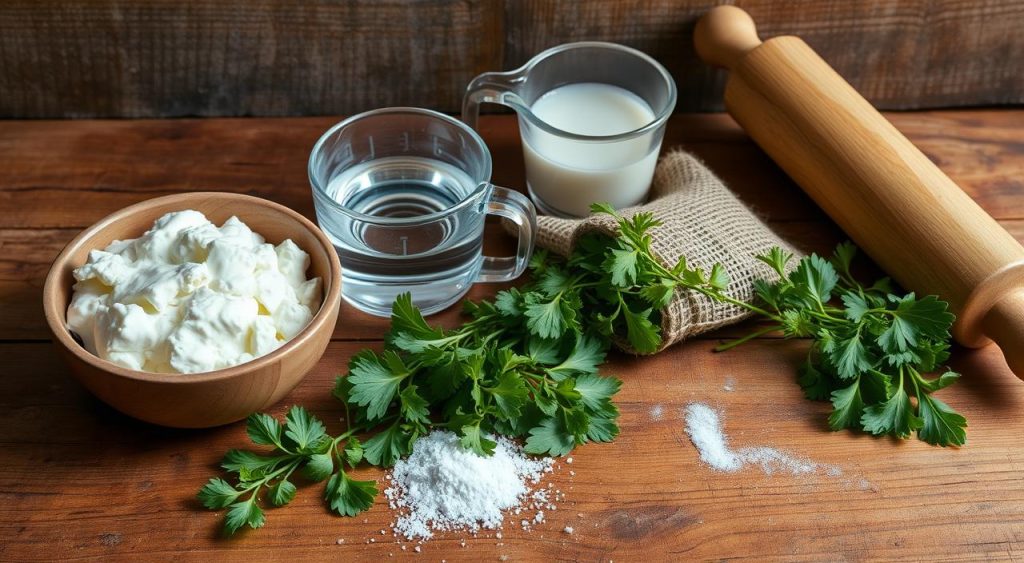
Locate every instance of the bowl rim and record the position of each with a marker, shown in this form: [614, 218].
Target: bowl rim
[57, 320]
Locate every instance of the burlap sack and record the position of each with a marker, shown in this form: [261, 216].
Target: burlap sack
[703, 221]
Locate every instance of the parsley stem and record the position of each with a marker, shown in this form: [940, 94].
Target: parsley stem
[734, 343]
[742, 304]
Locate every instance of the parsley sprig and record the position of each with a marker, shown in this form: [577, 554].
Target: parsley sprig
[301, 444]
[869, 355]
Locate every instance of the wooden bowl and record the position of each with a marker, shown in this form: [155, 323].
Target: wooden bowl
[203, 399]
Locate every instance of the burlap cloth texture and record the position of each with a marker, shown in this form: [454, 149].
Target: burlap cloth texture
[702, 220]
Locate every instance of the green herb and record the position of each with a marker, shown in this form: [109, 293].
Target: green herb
[526, 363]
[301, 444]
[869, 355]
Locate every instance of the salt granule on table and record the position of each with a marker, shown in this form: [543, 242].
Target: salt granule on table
[443, 486]
[705, 430]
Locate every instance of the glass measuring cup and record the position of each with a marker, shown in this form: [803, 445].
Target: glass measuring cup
[567, 171]
[402, 193]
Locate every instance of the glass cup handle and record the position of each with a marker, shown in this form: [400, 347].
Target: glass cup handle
[489, 88]
[517, 208]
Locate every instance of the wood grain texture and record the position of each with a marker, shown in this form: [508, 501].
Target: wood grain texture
[63, 176]
[81, 481]
[118, 58]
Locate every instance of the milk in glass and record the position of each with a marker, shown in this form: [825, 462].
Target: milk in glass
[568, 175]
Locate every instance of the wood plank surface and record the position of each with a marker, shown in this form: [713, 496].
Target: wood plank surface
[81, 481]
[117, 163]
[164, 58]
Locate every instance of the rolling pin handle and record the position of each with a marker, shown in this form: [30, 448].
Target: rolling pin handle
[724, 35]
[1004, 323]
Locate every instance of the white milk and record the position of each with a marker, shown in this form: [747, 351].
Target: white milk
[569, 175]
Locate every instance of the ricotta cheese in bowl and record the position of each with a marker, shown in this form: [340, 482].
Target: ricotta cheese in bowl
[188, 296]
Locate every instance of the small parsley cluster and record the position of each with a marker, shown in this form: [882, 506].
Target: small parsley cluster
[869, 355]
[301, 444]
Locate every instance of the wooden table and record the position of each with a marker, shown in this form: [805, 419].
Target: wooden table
[79, 480]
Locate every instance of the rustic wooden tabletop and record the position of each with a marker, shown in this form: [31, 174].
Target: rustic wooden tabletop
[79, 480]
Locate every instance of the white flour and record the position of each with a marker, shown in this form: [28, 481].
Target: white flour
[442, 486]
[705, 430]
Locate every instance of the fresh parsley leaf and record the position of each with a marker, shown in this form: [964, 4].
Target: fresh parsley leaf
[349, 497]
[849, 407]
[641, 332]
[850, 357]
[263, 429]
[319, 467]
[353, 451]
[473, 439]
[373, 382]
[816, 277]
[510, 394]
[385, 447]
[941, 425]
[551, 438]
[895, 416]
[282, 493]
[602, 429]
[414, 407]
[306, 432]
[245, 513]
[622, 265]
[945, 380]
[586, 355]
[547, 319]
[856, 306]
[718, 278]
[596, 392]
[218, 493]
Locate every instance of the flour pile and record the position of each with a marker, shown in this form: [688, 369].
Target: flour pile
[705, 430]
[442, 486]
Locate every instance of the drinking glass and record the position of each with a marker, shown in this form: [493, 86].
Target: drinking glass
[565, 171]
[403, 193]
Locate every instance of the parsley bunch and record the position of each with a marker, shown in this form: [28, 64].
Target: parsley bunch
[524, 364]
[301, 445]
[869, 355]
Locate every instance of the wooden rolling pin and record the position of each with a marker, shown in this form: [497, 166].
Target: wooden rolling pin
[895, 203]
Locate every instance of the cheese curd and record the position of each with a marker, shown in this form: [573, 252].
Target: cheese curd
[188, 296]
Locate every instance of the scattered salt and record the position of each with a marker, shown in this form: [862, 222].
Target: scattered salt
[656, 412]
[568, 530]
[568, 460]
[417, 549]
[730, 384]
[705, 430]
[442, 486]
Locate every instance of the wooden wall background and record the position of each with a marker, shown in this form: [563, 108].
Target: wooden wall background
[159, 58]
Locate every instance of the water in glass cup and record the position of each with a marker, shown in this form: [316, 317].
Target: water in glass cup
[403, 194]
[435, 259]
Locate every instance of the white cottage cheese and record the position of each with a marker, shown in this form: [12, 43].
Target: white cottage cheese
[189, 297]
